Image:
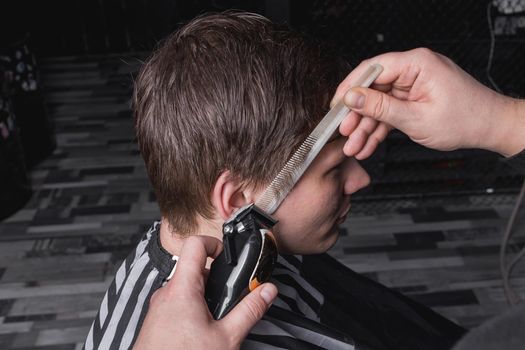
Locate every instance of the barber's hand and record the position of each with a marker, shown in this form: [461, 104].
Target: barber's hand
[178, 317]
[434, 102]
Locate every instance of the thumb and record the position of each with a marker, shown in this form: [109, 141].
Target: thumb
[378, 105]
[250, 310]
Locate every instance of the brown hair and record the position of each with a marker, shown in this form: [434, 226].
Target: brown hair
[228, 91]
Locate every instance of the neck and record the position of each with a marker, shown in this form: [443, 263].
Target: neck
[173, 241]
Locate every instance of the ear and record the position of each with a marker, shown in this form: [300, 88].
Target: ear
[228, 195]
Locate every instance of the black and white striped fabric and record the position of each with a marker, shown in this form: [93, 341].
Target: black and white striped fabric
[321, 305]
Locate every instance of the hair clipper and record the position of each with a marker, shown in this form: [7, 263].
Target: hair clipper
[247, 260]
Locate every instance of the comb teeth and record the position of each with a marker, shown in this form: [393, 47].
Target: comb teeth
[305, 154]
[286, 178]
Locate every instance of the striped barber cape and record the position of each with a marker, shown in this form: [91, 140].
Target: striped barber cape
[321, 305]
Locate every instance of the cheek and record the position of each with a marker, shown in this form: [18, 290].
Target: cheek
[307, 216]
[323, 205]
[299, 227]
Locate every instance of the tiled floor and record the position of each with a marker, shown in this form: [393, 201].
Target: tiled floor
[430, 225]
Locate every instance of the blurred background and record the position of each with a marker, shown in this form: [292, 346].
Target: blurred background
[75, 199]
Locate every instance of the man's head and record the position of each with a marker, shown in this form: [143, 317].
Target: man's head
[221, 106]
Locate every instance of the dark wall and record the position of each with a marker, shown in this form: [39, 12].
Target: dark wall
[485, 40]
[77, 27]
[360, 28]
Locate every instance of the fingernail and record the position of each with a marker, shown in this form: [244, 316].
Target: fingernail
[355, 99]
[268, 293]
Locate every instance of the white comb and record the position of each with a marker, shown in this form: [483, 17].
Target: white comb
[294, 168]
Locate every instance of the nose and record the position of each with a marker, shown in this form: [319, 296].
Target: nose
[355, 177]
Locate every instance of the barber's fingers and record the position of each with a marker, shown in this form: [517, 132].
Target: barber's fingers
[350, 123]
[380, 106]
[359, 136]
[373, 141]
[249, 311]
[364, 133]
[401, 69]
[192, 260]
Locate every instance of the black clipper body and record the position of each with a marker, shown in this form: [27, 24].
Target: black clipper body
[247, 260]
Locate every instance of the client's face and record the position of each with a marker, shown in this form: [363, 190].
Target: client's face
[310, 216]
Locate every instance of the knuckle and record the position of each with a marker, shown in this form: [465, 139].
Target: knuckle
[374, 140]
[383, 130]
[379, 138]
[366, 62]
[428, 57]
[365, 132]
[424, 52]
[381, 107]
[254, 309]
